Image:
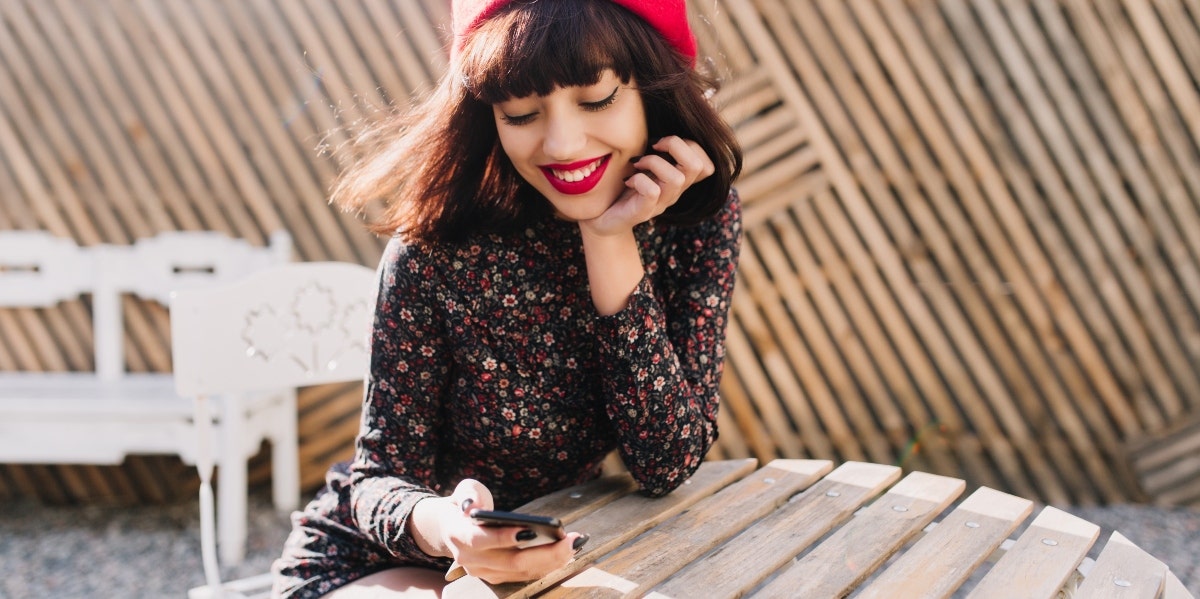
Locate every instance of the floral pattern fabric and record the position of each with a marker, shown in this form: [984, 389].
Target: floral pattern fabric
[489, 361]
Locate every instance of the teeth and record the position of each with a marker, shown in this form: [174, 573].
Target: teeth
[578, 174]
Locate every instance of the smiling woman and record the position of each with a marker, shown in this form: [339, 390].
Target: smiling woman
[577, 152]
[564, 238]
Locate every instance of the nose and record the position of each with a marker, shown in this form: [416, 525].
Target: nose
[565, 136]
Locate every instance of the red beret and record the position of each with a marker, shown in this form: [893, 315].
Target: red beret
[669, 17]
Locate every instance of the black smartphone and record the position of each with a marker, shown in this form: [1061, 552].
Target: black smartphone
[545, 529]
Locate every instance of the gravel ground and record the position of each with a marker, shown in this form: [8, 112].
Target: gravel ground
[98, 552]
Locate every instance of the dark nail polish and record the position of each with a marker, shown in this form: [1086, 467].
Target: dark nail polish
[466, 504]
[580, 542]
[526, 535]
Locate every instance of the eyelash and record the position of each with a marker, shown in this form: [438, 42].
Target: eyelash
[588, 106]
[602, 104]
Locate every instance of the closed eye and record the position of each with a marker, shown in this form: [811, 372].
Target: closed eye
[519, 119]
[602, 104]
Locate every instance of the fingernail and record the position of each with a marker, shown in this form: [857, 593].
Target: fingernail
[580, 541]
[526, 535]
[466, 504]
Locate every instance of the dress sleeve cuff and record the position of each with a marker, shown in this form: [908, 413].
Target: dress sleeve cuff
[404, 546]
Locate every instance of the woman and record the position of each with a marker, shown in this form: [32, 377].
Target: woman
[563, 244]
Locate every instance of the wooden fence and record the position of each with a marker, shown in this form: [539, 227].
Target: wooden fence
[973, 227]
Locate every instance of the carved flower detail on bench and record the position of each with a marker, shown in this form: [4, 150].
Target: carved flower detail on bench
[311, 331]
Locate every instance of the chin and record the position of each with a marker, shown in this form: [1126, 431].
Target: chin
[577, 215]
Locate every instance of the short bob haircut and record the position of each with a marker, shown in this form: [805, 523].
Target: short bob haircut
[440, 168]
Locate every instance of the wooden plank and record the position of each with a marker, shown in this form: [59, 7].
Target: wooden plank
[871, 537]
[731, 443]
[980, 104]
[71, 135]
[787, 362]
[959, 307]
[1044, 140]
[752, 556]
[159, 125]
[639, 565]
[616, 523]
[1041, 560]
[740, 354]
[843, 305]
[946, 557]
[103, 140]
[883, 258]
[37, 164]
[572, 503]
[1105, 200]
[1174, 589]
[1010, 292]
[1170, 237]
[169, 125]
[963, 108]
[814, 355]
[737, 405]
[1124, 571]
[1168, 458]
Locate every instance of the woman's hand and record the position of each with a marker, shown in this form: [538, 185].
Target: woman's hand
[490, 552]
[657, 185]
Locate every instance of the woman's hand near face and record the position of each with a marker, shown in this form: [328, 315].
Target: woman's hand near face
[656, 186]
[443, 527]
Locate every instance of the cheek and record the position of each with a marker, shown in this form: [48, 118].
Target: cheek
[634, 121]
[511, 143]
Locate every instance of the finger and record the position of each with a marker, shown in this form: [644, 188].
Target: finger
[646, 198]
[471, 494]
[688, 156]
[536, 562]
[705, 162]
[491, 538]
[662, 169]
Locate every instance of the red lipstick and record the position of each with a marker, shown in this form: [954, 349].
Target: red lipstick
[583, 185]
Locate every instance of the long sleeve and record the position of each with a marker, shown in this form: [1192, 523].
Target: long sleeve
[665, 351]
[395, 461]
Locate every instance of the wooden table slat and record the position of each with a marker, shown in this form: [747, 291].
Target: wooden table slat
[941, 561]
[1124, 571]
[1041, 560]
[749, 558]
[573, 503]
[851, 553]
[1174, 588]
[801, 528]
[635, 513]
[639, 565]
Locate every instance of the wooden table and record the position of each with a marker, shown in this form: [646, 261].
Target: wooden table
[800, 528]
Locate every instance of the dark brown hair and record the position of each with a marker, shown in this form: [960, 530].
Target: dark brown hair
[440, 168]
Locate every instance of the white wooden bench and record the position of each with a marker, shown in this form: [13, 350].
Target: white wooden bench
[100, 417]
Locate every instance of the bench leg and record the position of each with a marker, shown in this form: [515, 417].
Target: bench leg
[285, 456]
[231, 482]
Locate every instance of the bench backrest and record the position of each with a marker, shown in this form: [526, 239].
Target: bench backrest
[40, 270]
[294, 325]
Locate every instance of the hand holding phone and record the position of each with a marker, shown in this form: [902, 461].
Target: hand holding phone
[539, 530]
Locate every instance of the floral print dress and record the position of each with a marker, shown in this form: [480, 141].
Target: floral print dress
[489, 361]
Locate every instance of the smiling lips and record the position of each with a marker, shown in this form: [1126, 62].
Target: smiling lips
[577, 177]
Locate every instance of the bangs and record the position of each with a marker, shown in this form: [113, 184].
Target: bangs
[533, 47]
